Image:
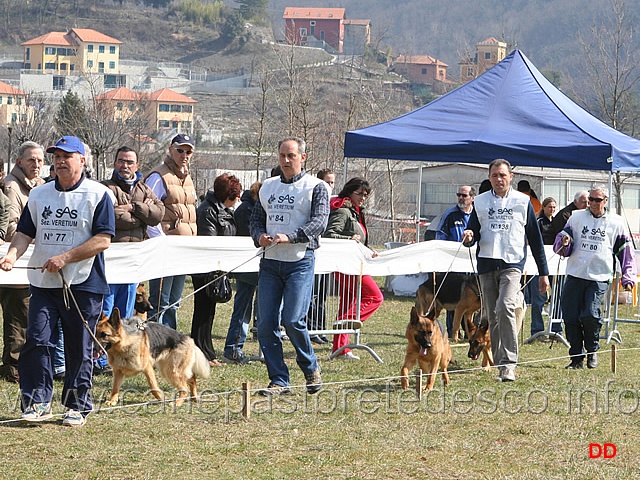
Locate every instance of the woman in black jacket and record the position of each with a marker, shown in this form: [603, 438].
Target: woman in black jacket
[214, 218]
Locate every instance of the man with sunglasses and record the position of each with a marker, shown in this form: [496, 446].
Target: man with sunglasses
[590, 239]
[172, 184]
[453, 222]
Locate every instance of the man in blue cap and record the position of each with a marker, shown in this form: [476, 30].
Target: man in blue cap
[71, 222]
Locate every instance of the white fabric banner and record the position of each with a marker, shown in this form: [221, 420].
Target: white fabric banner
[176, 255]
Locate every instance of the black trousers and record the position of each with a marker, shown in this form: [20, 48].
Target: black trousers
[204, 311]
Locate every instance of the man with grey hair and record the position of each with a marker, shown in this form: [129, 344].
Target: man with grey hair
[287, 220]
[590, 239]
[24, 176]
[560, 220]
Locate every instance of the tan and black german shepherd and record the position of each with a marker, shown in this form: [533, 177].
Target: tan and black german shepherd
[134, 346]
[429, 346]
[142, 305]
[459, 293]
[480, 341]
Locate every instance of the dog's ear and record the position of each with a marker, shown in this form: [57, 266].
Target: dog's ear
[414, 320]
[114, 320]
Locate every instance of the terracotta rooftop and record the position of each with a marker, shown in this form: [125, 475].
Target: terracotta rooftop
[122, 93]
[310, 13]
[420, 59]
[66, 39]
[167, 95]
[490, 41]
[89, 35]
[6, 89]
[52, 38]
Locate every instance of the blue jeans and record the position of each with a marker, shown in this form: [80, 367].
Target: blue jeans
[246, 284]
[289, 283]
[171, 292]
[581, 300]
[537, 303]
[123, 296]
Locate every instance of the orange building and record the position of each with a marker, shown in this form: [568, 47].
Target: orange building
[13, 105]
[421, 68]
[162, 110]
[72, 53]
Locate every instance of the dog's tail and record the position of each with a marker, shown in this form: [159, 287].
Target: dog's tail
[200, 364]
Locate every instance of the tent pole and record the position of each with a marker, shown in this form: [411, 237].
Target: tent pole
[418, 203]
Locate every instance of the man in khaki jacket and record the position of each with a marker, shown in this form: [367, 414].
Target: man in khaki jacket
[14, 299]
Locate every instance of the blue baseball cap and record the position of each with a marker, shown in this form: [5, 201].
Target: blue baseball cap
[68, 144]
[183, 139]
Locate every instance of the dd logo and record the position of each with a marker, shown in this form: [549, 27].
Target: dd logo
[606, 450]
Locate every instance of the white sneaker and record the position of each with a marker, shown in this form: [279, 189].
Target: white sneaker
[73, 419]
[348, 356]
[37, 413]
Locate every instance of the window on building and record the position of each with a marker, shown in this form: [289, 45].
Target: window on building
[14, 117]
[312, 23]
[19, 100]
[112, 65]
[50, 66]
[132, 107]
[101, 49]
[58, 83]
[9, 100]
[89, 63]
[62, 51]
[176, 108]
[119, 106]
[303, 32]
[163, 123]
[63, 66]
[100, 67]
[631, 196]
[424, 71]
[27, 66]
[49, 50]
[163, 107]
[187, 108]
[0, 100]
[27, 54]
[487, 55]
[72, 67]
[112, 49]
[90, 48]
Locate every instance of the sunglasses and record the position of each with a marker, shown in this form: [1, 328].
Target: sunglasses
[597, 200]
[181, 151]
[463, 195]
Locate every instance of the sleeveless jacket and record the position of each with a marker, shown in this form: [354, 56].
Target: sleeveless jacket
[180, 202]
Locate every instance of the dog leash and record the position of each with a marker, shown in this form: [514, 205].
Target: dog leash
[261, 251]
[435, 295]
[68, 293]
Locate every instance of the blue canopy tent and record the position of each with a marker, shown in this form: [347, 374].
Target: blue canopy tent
[511, 111]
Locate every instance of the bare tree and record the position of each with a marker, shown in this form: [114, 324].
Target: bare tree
[612, 59]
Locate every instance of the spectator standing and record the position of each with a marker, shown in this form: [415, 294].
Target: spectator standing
[453, 222]
[173, 185]
[502, 223]
[317, 315]
[246, 282]
[560, 219]
[525, 187]
[590, 239]
[214, 219]
[347, 221]
[538, 299]
[287, 221]
[71, 221]
[137, 207]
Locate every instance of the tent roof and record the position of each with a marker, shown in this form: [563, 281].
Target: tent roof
[511, 111]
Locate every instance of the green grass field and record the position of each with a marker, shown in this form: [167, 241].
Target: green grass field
[361, 425]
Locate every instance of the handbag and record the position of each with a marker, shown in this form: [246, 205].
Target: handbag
[218, 287]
